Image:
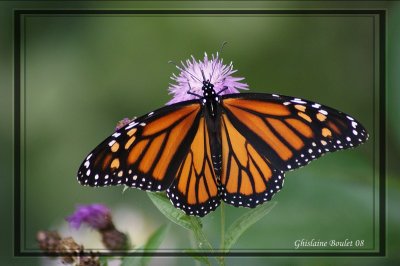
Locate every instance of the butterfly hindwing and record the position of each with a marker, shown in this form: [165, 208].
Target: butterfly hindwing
[145, 153]
[248, 178]
[291, 132]
[195, 188]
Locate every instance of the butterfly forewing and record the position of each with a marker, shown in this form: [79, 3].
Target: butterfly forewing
[291, 132]
[145, 153]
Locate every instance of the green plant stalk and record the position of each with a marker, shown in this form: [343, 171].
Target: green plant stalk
[222, 239]
[200, 237]
[222, 227]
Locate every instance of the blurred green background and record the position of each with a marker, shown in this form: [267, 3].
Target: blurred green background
[82, 74]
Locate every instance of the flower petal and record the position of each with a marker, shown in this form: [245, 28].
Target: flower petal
[193, 74]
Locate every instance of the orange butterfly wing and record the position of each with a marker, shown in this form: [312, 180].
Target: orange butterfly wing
[147, 152]
[264, 135]
[261, 137]
[247, 178]
[195, 188]
[291, 132]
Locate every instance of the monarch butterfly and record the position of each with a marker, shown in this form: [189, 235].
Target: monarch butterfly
[233, 147]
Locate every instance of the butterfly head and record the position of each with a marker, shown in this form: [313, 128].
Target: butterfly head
[209, 93]
[208, 87]
[204, 76]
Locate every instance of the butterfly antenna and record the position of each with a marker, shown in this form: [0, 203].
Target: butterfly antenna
[218, 52]
[222, 46]
[202, 73]
[192, 93]
[183, 70]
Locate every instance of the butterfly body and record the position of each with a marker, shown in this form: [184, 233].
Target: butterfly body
[232, 147]
[210, 101]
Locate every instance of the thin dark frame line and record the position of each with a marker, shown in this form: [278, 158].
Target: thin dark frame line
[190, 16]
[382, 134]
[202, 0]
[374, 131]
[18, 15]
[25, 128]
[305, 253]
[200, 11]
[17, 130]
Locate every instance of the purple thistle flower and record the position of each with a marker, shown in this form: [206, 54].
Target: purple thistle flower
[96, 216]
[191, 78]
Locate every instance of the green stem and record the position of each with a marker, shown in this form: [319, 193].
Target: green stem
[194, 245]
[222, 245]
[201, 237]
[222, 226]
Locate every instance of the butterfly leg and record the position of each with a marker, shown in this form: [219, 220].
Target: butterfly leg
[195, 94]
[223, 89]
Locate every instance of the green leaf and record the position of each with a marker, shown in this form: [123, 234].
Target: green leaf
[200, 258]
[202, 241]
[180, 218]
[177, 216]
[103, 261]
[154, 242]
[130, 261]
[157, 237]
[244, 222]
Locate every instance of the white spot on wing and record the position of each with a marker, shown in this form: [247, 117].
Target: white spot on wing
[298, 100]
[323, 112]
[131, 125]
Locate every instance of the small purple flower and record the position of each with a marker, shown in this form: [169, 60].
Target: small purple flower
[123, 123]
[193, 74]
[96, 216]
